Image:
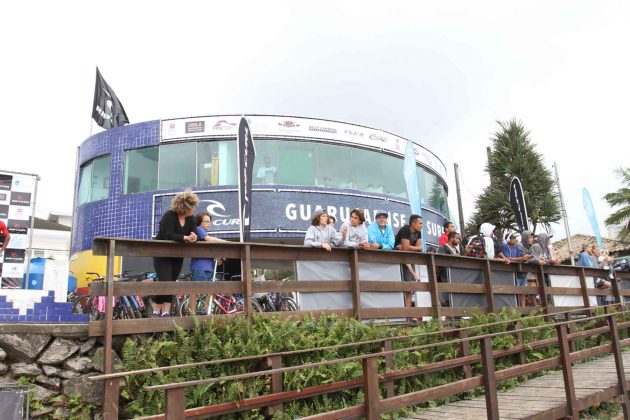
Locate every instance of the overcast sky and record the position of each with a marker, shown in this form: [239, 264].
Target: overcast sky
[441, 74]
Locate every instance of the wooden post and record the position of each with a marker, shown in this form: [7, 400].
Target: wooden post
[356, 289]
[489, 379]
[567, 371]
[464, 348]
[175, 403]
[584, 289]
[389, 365]
[111, 395]
[246, 277]
[275, 362]
[570, 327]
[615, 288]
[370, 388]
[521, 342]
[436, 305]
[540, 279]
[621, 380]
[110, 390]
[487, 282]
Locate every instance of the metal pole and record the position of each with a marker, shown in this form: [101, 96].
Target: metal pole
[563, 210]
[30, 232]
[460, 209]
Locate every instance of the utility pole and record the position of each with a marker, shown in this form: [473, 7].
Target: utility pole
[563, 210]
[460, 209]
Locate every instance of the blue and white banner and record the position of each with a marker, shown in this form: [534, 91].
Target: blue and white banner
[288, 211]
[411, 179]
[590, 214]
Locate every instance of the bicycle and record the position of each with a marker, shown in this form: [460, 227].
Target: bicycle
[276, 301]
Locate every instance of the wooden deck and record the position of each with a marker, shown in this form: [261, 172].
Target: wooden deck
[543, 397]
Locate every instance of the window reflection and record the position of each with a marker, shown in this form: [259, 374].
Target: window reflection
[141, 170]
[94, 180]
[177, 166]
[216, 163]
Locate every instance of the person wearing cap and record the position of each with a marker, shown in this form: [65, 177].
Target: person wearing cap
[512, 252]
[380, 233]
[320, 234]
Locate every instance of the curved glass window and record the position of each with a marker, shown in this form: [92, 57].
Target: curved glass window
[94, 180]
[278, 162]
[327, 165]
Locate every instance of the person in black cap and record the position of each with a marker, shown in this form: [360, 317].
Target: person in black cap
[380, 233]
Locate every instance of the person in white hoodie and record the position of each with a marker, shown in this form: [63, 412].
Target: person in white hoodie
[354, 232]
[320, 234]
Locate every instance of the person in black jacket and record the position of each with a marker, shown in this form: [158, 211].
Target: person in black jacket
[177, 224]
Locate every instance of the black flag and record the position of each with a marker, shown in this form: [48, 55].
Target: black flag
[246, 154]
[517, 201]
[107, 110]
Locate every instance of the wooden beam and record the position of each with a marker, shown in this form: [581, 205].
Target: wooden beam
[489, 378]
[356, 285]
[567, 371]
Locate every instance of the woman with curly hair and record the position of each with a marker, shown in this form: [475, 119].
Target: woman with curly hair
[177, 224]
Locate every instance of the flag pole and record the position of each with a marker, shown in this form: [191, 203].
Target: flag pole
[460, 208]
[563, 210]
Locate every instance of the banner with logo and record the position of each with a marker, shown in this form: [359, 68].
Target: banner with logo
[16, 204]
[246, 153]
[289, 210]
[590, 214]
[517, 201]
[107, 110]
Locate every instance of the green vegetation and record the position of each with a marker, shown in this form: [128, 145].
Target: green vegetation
[217, 340]
[514, 154]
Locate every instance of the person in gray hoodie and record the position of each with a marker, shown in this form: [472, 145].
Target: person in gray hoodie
[320, 234]
[541, 251]
[354, 232]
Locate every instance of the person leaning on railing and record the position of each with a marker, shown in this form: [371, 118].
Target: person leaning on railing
[353, 232]
[380, 233]
[177, 224]
[320, 234]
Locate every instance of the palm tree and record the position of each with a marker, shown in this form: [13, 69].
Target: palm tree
[621, 198]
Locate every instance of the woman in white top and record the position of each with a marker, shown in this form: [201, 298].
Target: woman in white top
[354, 232]
[320, 234]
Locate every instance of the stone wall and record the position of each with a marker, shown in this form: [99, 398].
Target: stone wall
[56, 366]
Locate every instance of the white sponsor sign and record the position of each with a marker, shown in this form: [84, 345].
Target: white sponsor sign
[266, 126]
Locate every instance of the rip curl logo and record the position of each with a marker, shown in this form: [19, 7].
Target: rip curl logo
[215, 208]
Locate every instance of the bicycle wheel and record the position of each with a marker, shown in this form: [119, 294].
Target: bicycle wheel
[287, 304]
[184, 306]
[256, 306]
[80, 304]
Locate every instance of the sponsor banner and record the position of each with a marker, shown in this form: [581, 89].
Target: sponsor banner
[291, 210]
[5, 182]
[19, 212]
[17, 226]
[4, 197]
[19, 198]
[517, 202]
[4, 211]
[19, 241]
[13, 256]
[246, 153]
[266, 126]
[24, 183]
[193, 127]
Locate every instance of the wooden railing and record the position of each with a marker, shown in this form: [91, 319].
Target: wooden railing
[382, 356]
[260, 252]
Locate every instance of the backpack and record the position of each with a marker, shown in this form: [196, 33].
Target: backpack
[477, 247]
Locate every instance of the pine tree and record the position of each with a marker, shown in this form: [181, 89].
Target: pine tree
[621, 198]
[513, 154]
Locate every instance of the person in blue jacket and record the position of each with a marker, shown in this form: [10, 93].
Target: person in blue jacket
[380, 233]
